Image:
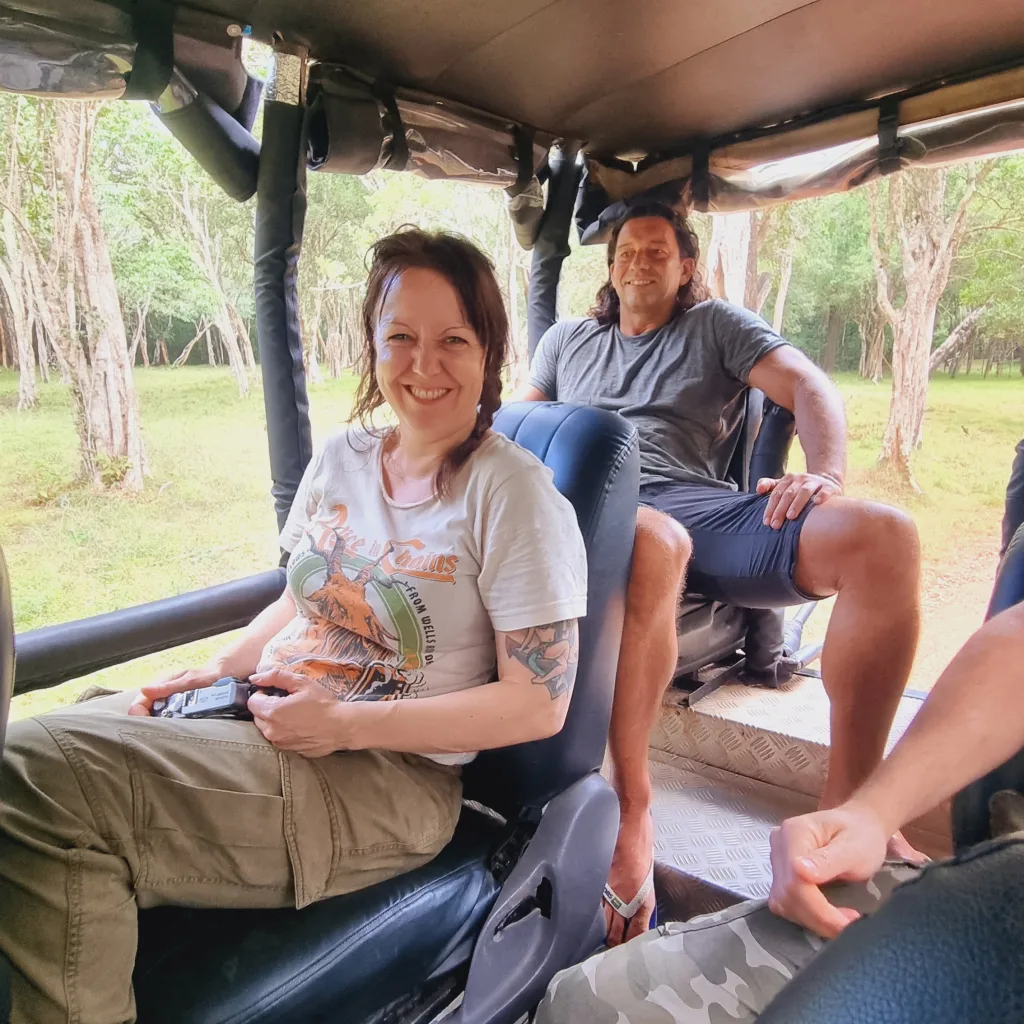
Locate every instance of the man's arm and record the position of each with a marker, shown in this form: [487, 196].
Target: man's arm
[529, 393]
[791, 380]
[971, 722]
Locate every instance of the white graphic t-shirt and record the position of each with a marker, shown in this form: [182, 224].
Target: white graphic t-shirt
[402, 601]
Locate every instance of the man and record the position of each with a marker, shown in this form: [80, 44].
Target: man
[730, 965]
[677, 366]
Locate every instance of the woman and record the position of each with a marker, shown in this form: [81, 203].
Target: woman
[427, 559]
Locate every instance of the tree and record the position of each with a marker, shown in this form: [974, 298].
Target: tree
[923, 228]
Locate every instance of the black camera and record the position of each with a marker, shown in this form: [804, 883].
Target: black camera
[226, 698]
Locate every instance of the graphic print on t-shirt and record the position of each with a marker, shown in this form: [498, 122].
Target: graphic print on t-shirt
[363, 630]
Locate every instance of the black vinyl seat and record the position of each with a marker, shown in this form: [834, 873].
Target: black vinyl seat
[514, 902]
[356, 951]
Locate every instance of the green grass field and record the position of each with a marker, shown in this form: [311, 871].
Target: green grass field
[205, 515]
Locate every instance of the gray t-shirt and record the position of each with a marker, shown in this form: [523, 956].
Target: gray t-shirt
[682, 385]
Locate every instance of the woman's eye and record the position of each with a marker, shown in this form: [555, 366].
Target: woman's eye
[454, 339]
[398, 336]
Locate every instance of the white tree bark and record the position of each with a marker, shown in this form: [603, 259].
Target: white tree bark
[785, 277]
[728, 253]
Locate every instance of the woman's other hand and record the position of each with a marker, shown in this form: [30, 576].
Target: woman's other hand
[176, 682]
[304, 721]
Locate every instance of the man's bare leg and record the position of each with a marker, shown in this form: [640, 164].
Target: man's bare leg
[869, 555]
[647, 661]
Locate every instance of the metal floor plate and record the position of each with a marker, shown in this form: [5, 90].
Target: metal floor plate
[714, 825]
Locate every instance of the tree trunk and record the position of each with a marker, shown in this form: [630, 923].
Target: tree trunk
[949, 350]
[873, 365]
[928, 238]
[21, 331]
[780, 297]
[728, 253]
[833, 331]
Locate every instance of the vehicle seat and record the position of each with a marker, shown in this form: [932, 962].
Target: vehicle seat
[515, 901]
[6, 690]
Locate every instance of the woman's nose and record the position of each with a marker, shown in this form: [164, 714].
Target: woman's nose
[425, 360]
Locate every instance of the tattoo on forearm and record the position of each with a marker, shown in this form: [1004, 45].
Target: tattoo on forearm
[549, 652]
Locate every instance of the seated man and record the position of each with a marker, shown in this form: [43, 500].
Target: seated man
[730, 965]
[677, 365]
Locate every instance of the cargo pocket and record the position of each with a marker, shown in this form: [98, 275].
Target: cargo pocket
[198, 841]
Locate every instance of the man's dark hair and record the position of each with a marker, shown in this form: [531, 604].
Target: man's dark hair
[606, 306]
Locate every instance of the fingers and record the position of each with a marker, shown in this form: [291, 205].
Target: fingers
[283, 680]
[765, 484]
[187, 679]
[263, 705]
[141, 707]
[789, 499]
[615, 927]
[638, 924]
[806, 906]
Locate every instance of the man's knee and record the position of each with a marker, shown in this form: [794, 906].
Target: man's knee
[661, 549]
[847, 537]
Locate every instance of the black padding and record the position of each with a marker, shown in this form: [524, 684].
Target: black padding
[1013, 517]
[221, 145]
[970, 805]
[6, 648]
[774, 439]
[53, 654]
[596, 465]
[153, 28]
[337, 960]
[947, 948]
[552, 244]
[280, 217]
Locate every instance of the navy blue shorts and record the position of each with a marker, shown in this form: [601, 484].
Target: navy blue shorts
[736, 558]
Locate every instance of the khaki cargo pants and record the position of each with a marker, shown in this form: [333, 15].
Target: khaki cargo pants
[101, 812]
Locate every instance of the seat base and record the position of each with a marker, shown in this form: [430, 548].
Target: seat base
[343, 958]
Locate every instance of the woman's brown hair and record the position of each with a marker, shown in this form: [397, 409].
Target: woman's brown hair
[606, 306]
[471, 274]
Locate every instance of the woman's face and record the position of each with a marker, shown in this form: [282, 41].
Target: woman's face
[430, 362]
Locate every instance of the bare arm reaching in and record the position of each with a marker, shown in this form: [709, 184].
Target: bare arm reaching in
[972, 721]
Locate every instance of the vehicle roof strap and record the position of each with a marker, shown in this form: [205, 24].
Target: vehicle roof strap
[399, 158]
[153, 28]
[524, 160]
[888, 143]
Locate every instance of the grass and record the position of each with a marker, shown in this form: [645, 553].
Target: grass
[206, 516]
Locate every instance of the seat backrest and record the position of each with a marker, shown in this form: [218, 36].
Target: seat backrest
[594, 457]
[6, 648]
[763, 448]
[970, 806]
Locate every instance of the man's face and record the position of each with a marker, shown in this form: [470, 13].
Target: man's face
[648, 269]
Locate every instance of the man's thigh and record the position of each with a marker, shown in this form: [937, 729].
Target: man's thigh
[736, 557]
[713, 969]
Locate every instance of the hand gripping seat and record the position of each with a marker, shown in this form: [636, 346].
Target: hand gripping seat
[513, 903]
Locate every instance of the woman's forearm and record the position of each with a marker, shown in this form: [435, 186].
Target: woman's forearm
[240, 657]
[494, 715]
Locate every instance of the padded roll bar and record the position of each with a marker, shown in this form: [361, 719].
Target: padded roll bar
[55, 654]
[552, 245]
[280, 216]
[222, 146]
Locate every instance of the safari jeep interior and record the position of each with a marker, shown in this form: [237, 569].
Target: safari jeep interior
[574, 109]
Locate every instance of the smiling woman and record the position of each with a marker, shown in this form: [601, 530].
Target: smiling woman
[427, 559]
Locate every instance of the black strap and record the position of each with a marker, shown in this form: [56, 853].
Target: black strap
[888, 142]
[399, 158]
[153, 28]
[524, 160]
[700, 185]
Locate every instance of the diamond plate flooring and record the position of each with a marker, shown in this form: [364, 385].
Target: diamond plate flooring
[779, 737]
[714, 825]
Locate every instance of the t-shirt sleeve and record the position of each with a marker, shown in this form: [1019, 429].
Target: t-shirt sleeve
[533, 566]
[303, 507]
[743, 338]
[544, 368]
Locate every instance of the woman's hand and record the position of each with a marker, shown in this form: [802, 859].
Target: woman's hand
[176, 682]
[305, 721]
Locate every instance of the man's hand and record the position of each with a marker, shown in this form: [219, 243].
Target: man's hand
[176, 682]
[791, 493]
[305, 721]
[631, 862]
[846, 843]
